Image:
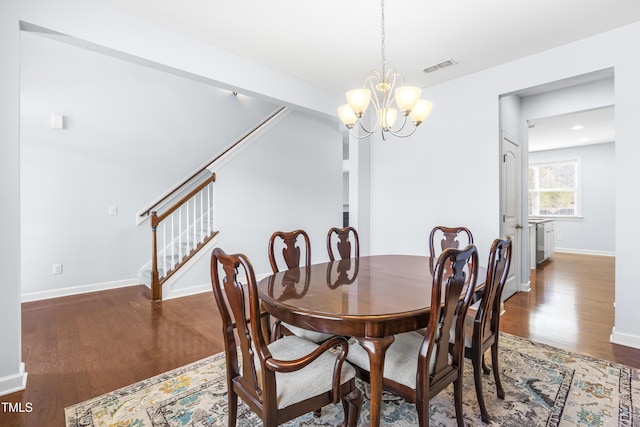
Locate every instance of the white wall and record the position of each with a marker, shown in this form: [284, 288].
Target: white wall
[12, 375]
[586, 96]
[594, 233]
[290, 179]
[448, 173]
[131, 133]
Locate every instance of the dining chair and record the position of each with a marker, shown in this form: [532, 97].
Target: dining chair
[347, 239]
[286, 243]
[450, 237]
[278, 380]
[482, 323]
[419, 366]
[291, 252]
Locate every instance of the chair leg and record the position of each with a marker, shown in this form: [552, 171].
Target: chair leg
[422, 406]
[485, 368]
[352, 405]
[457, 392]
[496, 373]
[478, 364]
[232, 406]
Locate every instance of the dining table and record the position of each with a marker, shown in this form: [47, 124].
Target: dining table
[369, 298]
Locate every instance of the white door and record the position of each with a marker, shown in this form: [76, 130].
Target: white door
[511, 188]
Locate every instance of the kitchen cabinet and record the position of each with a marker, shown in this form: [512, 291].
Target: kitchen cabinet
[544, 239]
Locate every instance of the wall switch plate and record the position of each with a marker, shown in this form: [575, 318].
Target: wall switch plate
[113, 210]
[57, 121]
[57, 269]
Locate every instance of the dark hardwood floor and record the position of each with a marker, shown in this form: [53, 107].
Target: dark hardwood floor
[79, 347]
[570, 306]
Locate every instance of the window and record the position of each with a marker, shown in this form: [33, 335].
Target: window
[554, 189]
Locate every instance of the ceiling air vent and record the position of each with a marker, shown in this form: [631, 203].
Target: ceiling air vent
[447, 63]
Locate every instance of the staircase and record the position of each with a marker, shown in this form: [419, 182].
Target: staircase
[183, 221]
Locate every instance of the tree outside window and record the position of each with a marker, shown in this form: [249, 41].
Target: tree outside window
[554, 189]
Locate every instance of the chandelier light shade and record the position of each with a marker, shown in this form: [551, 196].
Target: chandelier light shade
[389, 95]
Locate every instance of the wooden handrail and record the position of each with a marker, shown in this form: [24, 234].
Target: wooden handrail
[239, 141]
[157, 219]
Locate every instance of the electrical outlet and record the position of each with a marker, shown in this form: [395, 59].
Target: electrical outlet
[57, 269]
[113, 210]
[559, 237]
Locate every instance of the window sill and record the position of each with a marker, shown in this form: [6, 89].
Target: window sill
[558, 218]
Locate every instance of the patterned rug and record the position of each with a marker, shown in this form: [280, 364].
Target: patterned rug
[544, 386]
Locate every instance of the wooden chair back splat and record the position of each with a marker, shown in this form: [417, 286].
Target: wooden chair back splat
[290, 251]
[347, 244]
[450, 237]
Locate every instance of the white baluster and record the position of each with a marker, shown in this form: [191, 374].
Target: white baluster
[164, 249]
[173, 255]
[201, 216]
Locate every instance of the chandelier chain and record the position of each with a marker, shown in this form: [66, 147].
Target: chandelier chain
[384, 59]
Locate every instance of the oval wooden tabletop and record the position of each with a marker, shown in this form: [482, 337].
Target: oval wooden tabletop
[383, 285]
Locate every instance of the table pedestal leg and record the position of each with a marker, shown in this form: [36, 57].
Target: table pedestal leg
[376, 349]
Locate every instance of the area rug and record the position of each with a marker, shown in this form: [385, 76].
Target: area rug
[544, 386]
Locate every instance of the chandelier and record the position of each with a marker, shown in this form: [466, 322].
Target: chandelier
[382, 89]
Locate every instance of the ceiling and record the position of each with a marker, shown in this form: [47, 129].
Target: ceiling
[595, 126]
[336, 43]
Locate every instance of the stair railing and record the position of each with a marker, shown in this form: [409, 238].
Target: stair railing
[188, 224]
[180, 231]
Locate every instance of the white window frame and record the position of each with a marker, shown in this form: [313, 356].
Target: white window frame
[577, 191]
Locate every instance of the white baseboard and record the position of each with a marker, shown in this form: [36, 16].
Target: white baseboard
[199, 289]
[525, 287]
[626, 340]
[76, 290]
[583, 252]
[185, 292]
[13, 383]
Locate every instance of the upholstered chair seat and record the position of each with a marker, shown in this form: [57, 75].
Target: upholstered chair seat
[468, 325]
[400, 360]
[307, 334]
[310, 381]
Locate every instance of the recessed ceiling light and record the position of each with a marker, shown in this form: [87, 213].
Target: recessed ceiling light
[584, 139]
[577, 127]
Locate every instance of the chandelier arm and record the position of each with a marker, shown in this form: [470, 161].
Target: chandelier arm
[397, 131]
[404, 122]
[367, 131]
[368, 134]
